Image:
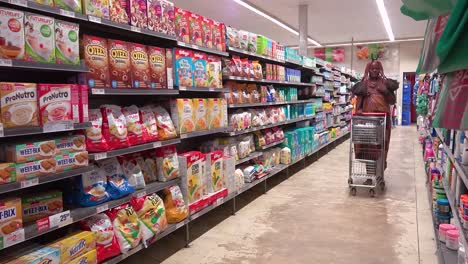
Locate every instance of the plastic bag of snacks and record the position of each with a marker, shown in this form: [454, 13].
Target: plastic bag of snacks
[133, 171]
[150, 210]
[232, 37]
[176, 210]
[137, 133]
[95, 142]
[167, 162]
[118, 185]
[106, 242]
[127, 226]
[91, 189]
[166, 129]
[147, 164]
[114, 126]
[149, 121]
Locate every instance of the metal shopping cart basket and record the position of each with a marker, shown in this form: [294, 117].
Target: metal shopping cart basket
[367, 152]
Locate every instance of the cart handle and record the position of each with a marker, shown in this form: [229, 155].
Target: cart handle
[372, 114]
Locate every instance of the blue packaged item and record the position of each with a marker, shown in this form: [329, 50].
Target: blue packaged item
[199, 69]
[183, 68]
[91, 189]
[117, 182]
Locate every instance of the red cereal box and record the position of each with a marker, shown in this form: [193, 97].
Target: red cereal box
[182, 24]
[140, 71]
[84, 112]
[218, 30]
[94, 50]
[138, 13]
[157, 63]
[206, 32]
[119, 63]
[196, 37]
[56, 103]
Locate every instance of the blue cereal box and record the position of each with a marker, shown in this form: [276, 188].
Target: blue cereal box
[200, 76]
[183, 67]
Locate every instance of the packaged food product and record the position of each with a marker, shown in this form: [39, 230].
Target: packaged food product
[196, 35]
[41, 205]
[200, 113]
[36, 255]
[140, 68]
[147, 164]
[214, 72]
[243, 39]
[167, 163]
[40, 38]
[127, 226]
[71, 161]
[133, 172]
[192, 167]
[114, 126]
[149, 121]
[118, 185]
[11, 215]
[182, 25]
[91, 189]
[207, 35]
[183, 67]
[118, 11]
[138, 13]
[217, 179]
[95, 142]
[119, 63]
[157, 65]
[137, 133]
[33, 169]
[170, 68]
[252, 42]
[285, 155]
[200, 74]
[155, 19]
[67, 50]
[75, 245]
[176, 209]
[166, 129]
[94, 51]
[183, 115]
[229, 166]
[168, 18]
[224, 117]
[233, 39]
[7, 173]
[106, 241]
[96, 8]
[257, 69]
[57, 102]
[83, 103]
[70, 5]
[11, 26]
[74, 143]
[89, 257]
[217, 31]
[150, 210]
[18, 105]
[29, 151]
[214, 113]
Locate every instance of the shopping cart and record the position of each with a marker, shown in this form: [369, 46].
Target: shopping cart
[367, 152]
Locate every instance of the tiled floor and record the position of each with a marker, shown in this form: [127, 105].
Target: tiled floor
[311, 218]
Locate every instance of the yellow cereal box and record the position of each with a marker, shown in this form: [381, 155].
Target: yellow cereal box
[88, 258]
[75, 245]
[182, 115]
[214, 113]
[18, 104]
[200, 114]
[217, 179]
[192, 168]
[11, 216]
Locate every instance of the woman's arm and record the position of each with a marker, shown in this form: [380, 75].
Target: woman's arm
[359, 89]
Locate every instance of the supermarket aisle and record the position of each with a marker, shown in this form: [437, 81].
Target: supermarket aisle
[310, 218]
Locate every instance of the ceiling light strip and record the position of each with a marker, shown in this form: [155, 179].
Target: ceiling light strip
[364, 43]
[385, 19]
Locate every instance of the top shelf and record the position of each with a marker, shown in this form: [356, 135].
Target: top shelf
[253, 55]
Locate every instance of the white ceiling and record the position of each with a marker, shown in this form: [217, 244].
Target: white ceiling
[330, 21]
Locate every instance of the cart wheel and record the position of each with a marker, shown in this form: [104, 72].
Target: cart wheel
[382, 186]
[353, 191]
[371, 193]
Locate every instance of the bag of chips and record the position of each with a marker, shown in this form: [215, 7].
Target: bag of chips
[166, 129]
[95, 141]
[127, 226]
[176, 209]
[114, 126]
[150, 209]
[106, 242]
[167, 162]
[133, 171]
[117, 183]
[137, 133]
[149, 121]
[90, 189]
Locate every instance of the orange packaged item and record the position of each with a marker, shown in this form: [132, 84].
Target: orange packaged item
[150, 209]
[18, 105]
[119, 63]
[42, 205]
[167, 163]
[200, 108]
[11, 216]
[7, 173]
[114, 127]
[176, 209]
[148, 119]
[94, 50]
[182, 115]
[157, 63]
[73, 160]
[12, 28]
[34, 169]
[58, 102]
[166, 129]
[127, 226]
[74, 143]
[140, 69]
[95, 141]
[215, 114]
[137, 133]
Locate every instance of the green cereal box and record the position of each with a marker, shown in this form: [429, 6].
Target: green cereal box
[40, 38]
[67, 48]
[70, 5]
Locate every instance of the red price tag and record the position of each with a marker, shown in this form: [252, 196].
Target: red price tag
[43, 224]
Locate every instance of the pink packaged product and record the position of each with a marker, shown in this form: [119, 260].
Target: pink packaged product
[114, 127]
[58, 102]
[138, 13]
[182, 25]
[155, 20]
[168, 16]
[206, 32]
[83, 101]
[196, 37]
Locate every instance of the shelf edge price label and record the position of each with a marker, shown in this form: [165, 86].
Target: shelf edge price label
[2, 133]
[100, 156]
[183, 136]
[67, 13]
[141, 194]
[94, 19]
[97, 91]
[29, 183]
[219, 201]
[19, 2]
[61, 219]
[12, 238]
[102, 208]
[157, 144]
[6, 63]
[135, 29]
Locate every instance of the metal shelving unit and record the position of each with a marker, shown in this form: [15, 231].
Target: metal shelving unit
[40, 66]
[243, 79]
[203, 89]
[203, 133]
[252, 156]
[254, 55]
[132, 149]
[269, 103]
[248, 130]
[203, 49]
[271, 145]
[23, 131]
[110, 91]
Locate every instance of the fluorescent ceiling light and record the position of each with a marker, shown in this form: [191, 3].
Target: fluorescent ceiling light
[272, 19]
[363, 43]
[385, 19]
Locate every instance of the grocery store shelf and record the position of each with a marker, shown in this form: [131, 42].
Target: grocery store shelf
[110, 91]
[326, 144]
[212, 206]
[203, 49]
[270, 103]
[294, 63]
[271, 145]
[461, 170]
[22, 131]
[203, 133]
[132, 149]
[248, 130]
[41, 66]
[9, 187]
[203, 89]
[254, 55]
[455, 212]
[252, 156]
[243, 79]
[46, 9]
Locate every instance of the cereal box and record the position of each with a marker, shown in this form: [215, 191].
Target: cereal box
[18, 105]
[88, 258]
[214, 113]
[75, 245]
[182, 115]
[214, 72]
[155, 19]
[40, 38]
[168, 16]
[157, 63]
[96, 8]
[200, 113]
[196, 36]
[30, 151]
[218, 33]
[83, 103]
[192, 167]
[137, 11]
[199, 69]
[10, 216]
[140, 68]
[37, 206]
[41, 255]
[167, 162]
[182, 24]
[118, 11]
[67, 48]
[217, 180]
[71, 161]
[161, 16]
[34, 169]
[45, 2]
[11, 34]
[74, 143]
[57, 103]
[206, 32]
[94, 50]
[183, 67]
[119, 63]
[7, 173]
[170, 68]
[70, 5]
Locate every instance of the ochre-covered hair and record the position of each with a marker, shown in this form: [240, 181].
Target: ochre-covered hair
[381, 79]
